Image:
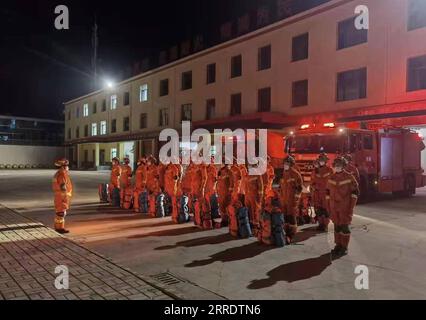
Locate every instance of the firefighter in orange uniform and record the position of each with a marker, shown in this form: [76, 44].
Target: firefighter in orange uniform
[211, 181]
[290, 191]
[125, 178]
[342, 196]
[140, 181]
[244, 177]
[319, 180]
[161, 173]
[254, 192]
[224, 190]
[115, 175]
[236, 181]
[172, 175]
[351, 167]
[198, 185]
[62, 187]
[152, 184]
[268, 178]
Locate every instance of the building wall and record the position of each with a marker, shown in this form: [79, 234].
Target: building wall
[32, 155]
[384, 55]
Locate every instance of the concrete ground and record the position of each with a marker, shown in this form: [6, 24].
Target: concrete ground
[388, 236]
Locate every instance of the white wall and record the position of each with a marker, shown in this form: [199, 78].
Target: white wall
[33, 155]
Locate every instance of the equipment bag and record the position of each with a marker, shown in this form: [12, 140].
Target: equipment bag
[103, 192]
[160, 208]
[244, 229]
[143, 202]
[128, 198]
[168, 205]
[265, 232]
[115, 197]
[214, 205]
[183, 216]
[278, 234]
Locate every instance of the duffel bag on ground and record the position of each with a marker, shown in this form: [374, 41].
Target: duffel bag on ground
[103, 192]
[244, 229]
[115, 197]
[128, 198]
[277, 226]
[160, 206]
[143, 202]
[183, 216]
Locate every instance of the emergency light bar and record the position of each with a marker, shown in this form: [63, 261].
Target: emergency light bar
[305, 126]
[329, 125]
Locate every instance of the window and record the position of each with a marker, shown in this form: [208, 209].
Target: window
[210, 109]
[352, 85]
[264, 58]
[113, 125]
[264, 100]
[300, 93]
[69, 115]
[114, 102]
[103, 105]
[86, 110]
[235, 104]
[143, 121]
[416, 14]
[349, 35]
[236, 66]
[103, 127]
[86, 130]
[186, 80]
[143, 93]
[186, 112]
[416, 77]
[94, 129]
[69, 133]
[300, 48]
[211, 73]
[164, 117]
[164, 87]
[77, 132]
[77, 112]
[113, 153]
[368, 142]
[126, 124]
[126, 98]
[95, 107]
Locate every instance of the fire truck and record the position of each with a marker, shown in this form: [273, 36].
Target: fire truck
[388, 159]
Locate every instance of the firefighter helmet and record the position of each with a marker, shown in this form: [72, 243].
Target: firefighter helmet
[115, 159]
[348, 157]
[126, 160]
[61, 162]
[340, 161]
[141, 160]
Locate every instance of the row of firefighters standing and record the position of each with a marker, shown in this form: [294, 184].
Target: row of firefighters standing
[217, 197]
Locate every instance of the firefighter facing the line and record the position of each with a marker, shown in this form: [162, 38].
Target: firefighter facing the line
[62, 187]
[342, 196]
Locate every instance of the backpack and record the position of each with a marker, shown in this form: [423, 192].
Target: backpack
[244, 229]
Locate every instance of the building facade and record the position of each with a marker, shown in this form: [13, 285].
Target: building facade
[30, 142]
[314, 65]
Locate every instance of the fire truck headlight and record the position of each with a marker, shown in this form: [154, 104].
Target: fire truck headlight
[341, 130]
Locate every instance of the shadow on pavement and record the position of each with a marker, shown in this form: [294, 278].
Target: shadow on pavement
[217, 239]
[167, 233]
[233, 254]
[306, 234]
[294, 271]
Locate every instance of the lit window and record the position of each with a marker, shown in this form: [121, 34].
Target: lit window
[143, 93]
[94, 129]
[103, 127]
[114, 102]
[86, 110]
[113, 152]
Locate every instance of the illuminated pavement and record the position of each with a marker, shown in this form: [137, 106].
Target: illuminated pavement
[388, 237]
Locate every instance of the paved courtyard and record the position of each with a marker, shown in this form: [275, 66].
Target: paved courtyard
[388, 237]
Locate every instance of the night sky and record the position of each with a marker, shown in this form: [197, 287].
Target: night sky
[41, 67]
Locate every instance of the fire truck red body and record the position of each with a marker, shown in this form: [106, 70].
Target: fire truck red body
[388, 159]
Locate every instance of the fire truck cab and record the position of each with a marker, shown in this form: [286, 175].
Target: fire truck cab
[388, 159]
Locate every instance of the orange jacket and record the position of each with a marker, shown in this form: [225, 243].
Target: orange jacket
[171, 179]
[199, 178]
[244, 176]
[61, 183]
[115, 176]
[126, 176]
[352, 169]
[291, 185]
[152, 179]
[141, 177]
[211, 179]
[224, 182]
[319, 178]
[268, 178]
[236, 178]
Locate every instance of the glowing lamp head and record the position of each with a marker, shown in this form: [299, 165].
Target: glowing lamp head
[329, 125]
[304, 126]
